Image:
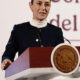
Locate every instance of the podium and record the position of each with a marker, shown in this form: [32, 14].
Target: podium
[34, 61]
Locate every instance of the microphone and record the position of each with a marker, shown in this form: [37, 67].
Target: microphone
[65, 39]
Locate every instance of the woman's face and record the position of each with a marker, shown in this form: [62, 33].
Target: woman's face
[40, 9]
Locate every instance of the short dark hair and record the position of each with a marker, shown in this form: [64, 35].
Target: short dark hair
[33, 0]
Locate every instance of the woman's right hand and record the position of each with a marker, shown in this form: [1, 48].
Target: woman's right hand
[5, 64]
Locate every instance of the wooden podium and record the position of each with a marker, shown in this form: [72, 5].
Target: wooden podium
[34, 61]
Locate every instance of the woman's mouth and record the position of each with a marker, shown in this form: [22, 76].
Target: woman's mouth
[42, 13]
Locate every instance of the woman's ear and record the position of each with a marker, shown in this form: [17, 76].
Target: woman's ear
[31, 6]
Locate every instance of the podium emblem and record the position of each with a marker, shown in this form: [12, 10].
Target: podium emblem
[65, 59]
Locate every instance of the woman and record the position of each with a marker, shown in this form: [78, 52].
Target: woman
[36, 33]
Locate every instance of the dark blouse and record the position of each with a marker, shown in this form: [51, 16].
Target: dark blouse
[25, 35]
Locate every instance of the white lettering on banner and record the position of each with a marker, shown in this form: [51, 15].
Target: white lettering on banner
[66, 22]
[67, 1]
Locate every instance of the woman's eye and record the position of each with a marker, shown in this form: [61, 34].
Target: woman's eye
[47, 4]
[39, 3]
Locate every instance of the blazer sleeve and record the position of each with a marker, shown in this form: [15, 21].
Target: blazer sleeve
[11, 47]
[59, 35]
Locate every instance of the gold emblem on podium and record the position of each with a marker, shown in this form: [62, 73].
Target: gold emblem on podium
[65, 59]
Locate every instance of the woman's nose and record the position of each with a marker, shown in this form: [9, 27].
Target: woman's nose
[43, 6]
